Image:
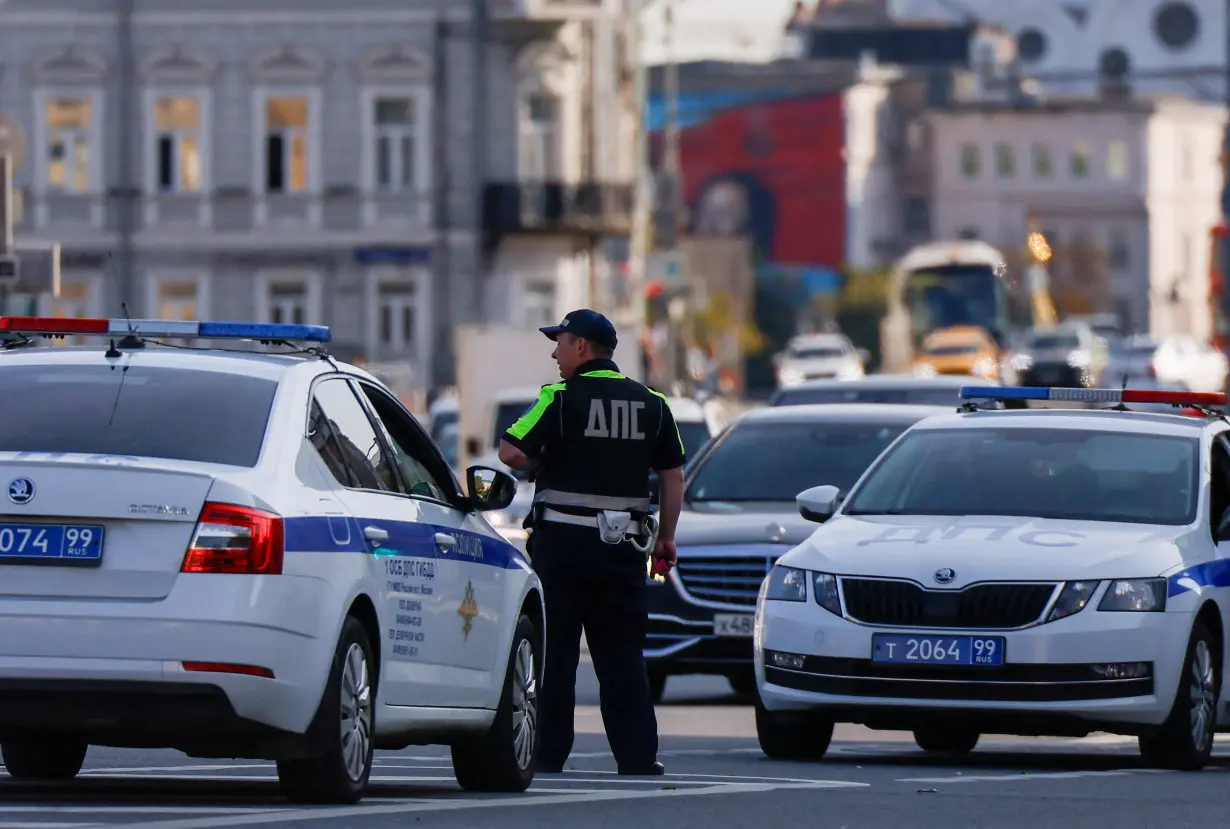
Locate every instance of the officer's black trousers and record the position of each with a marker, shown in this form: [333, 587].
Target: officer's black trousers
[601, 588]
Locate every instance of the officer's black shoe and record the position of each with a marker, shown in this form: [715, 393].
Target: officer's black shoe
[652, 770]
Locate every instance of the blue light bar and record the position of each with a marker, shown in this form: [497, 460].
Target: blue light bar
[1005, 393]
[264, 331]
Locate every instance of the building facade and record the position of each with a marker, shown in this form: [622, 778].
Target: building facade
[1137, 176]
[293, 160]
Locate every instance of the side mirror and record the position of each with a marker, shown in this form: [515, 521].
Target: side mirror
[1223, 526]
[818, 503]
[473, 447]
[490, 489]
[864, 356]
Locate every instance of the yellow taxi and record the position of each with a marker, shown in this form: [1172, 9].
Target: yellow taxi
[962, 349]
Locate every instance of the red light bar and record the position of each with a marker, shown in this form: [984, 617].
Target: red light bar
[227, 668]
[54, 325]
[1178, 398]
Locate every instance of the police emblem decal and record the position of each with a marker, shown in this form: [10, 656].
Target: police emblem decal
[468, 610]
[944, 575]
[21, 491]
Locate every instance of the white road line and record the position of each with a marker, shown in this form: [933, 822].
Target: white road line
[305, 815]
[1005, 778]
[137, 810]
[179, 768]
[11, 825]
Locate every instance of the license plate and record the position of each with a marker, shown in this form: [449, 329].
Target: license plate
[937, 650]
[733, 624]
[51, 543]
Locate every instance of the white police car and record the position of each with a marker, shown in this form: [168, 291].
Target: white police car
[1034, 572]
[241, 554]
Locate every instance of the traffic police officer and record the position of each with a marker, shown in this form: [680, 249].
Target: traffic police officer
[591, 441]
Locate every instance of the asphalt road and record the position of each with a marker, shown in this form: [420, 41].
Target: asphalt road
[716, 779]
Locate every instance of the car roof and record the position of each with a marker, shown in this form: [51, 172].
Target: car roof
[822, 412]
[893, 381]
[1096, 419]
[270, 366]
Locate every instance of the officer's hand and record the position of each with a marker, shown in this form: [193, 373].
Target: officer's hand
[664, 555]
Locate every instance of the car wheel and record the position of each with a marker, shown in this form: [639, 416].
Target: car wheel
[657, 682]
[58, 760]
[503, 759]
[790, 737]
[946, 740]
[347, 718]
[1185, 740]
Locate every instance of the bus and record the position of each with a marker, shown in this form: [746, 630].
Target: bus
[941, 285]
[1219, 296]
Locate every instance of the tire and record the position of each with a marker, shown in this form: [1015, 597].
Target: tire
[1185, 740]
[744, 686]
[657, 682]
[346, 720]
[946, 740]
[792, 738]
[503, 759]
[58, 760]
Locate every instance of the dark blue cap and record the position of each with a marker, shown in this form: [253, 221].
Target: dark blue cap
[587, 324]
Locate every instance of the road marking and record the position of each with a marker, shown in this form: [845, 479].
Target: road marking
[11, 825]
[304, 815]
[137, 810]
[1003, 778]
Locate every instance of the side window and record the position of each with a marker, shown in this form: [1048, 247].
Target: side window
[420, 466]
[1219, 485]
[342, 433]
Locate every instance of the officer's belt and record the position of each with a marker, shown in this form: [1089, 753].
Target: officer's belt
[559, 498]
[558, 517]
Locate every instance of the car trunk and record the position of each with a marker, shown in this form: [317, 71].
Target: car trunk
[48, 542]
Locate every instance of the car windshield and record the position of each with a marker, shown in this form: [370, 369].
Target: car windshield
[506, 414]
[177, 414]
[917, 396]
[694, 435]
[777, 461]
[1081, 475]
[810, 352]
[1046, 341]
[948, 350]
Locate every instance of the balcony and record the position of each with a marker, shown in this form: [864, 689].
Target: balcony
[527, 207]
[521, 21]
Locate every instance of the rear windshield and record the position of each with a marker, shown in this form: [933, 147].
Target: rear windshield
[145, 412]
[925, 396]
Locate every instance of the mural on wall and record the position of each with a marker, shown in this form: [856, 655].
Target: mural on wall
[769, 168]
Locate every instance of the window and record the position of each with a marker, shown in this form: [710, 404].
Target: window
[397, 306]
[538, 304]
[1070, 474]
[178, 414]
[347, 442]
[286, 144]
[423, 471]
[540, 138]
[69, 125]
[177, 143]
[777, 461]
[1044, 165]
[396, 144]
[288, 303]
[176, 300]
[970, 161]
[1117, 160]
[1120, 254]
[1080, 159]
[1005, 161]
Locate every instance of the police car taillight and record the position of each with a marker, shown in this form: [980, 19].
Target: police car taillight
[234, 539]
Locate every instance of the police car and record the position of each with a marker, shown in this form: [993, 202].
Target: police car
[1033, 572]
[248, 554]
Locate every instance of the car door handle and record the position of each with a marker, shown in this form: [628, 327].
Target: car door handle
[444, 540]
[375, 534]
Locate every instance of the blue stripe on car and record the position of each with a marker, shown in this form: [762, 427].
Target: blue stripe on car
[342, 534]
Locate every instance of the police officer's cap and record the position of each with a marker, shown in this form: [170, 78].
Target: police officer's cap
[589, 325]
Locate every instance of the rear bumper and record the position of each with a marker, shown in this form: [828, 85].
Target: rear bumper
[113, 672]
[1058, 375]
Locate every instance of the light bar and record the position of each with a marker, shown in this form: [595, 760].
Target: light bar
[168, 329]
[1177, 398]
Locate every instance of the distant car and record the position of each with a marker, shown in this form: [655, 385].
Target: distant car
[941, 390]
[739, 515]
[1067, 356]
[965, 350]
[819, 357]
[1173, 359]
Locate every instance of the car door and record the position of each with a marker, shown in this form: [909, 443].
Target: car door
[400, 557]
[470, 557]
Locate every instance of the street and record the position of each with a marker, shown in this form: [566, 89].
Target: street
[716, 778]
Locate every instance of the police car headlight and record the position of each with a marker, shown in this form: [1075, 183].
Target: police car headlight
[824, 590]
[1135, 595]
[1072, 599]
[786, 584]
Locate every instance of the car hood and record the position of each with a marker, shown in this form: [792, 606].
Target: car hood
[818, 363]
[993, 548]
[714, 523]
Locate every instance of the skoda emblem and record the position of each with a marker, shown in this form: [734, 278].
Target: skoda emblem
[21, 491]
[944, 575]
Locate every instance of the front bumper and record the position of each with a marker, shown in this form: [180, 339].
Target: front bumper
[1046, 686]
[684, 637]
